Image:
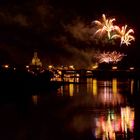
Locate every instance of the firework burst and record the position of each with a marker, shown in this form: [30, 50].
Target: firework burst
[124, 35]
[110, 57]
[106, 25]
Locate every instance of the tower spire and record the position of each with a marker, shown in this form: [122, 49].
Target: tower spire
[35, 60]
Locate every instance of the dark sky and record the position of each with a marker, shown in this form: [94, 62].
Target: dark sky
[60, 30]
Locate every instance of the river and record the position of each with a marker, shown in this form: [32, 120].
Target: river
[81, 109]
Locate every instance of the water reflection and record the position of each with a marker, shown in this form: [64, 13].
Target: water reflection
[114, 86]
[132, 86]
[106, 92]
[115, 124]
[85, 110]
[94, 87]
[71, 79]
[71, 89]
[35, 99]
[107, 105]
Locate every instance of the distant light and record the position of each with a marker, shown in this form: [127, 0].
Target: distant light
[50, 66]
[27, 66]
[71, 67]
[89, 71]
[59, 72]
[95, 66]
[14, 68]
[6, 66]
[114, 68]
[77, 75]
[65, 68]
[131, 68]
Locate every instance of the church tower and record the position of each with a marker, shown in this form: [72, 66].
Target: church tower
[36, 61]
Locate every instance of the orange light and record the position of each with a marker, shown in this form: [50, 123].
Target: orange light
[6, 66]
[71, 67]
[114, 85]
[114, 68]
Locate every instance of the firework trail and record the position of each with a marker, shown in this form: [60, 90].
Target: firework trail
[110, 57]
[106, 25]
[124, 35]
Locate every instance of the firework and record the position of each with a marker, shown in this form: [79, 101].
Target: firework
[105, 26]
[110, 57]
[124, 35]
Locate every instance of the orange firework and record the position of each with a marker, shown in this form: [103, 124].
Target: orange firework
[105, 26]
[110, 57]
[124, 35]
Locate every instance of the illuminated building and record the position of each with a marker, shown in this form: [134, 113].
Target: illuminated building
[36, 61]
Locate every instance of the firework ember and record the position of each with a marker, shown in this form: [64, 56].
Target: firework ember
[105, 26]
[124, 35]
[110, 57]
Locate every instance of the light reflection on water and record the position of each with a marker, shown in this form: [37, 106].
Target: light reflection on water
[35, 99]
[84, 109]
[115, 124]
[105, 92]
[110, 114]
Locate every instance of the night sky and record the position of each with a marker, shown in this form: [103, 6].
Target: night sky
[60, 30]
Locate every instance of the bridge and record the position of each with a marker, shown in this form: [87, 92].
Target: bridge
[84, 73]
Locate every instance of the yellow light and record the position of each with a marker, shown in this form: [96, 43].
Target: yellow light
[114, 68]
[59, 72]
[95, 66]
[127, 117]
[71, 90]
[50, 66]
[114, 86]
[94, 87]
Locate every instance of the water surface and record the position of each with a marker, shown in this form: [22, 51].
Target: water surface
[84, 109]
